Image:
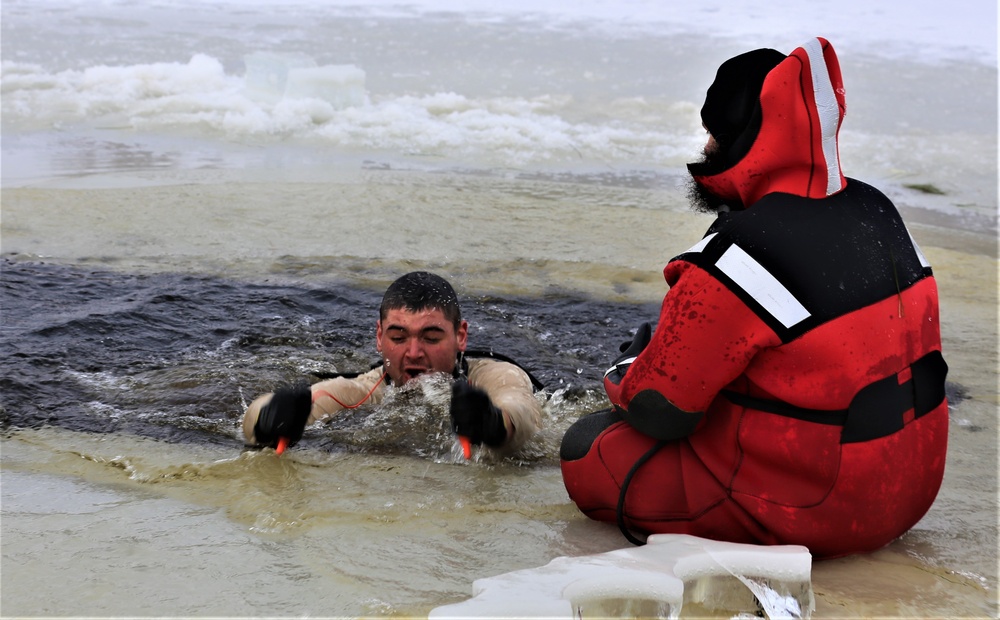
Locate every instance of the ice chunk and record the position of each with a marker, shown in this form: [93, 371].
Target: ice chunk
[267, 73]
[271, 77]
[669, 577]
[341, 85]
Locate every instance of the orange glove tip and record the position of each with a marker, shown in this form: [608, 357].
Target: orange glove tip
[282, 445]
[466, 446]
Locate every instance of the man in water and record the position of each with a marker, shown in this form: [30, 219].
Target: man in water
[793, 390]
[420, 331]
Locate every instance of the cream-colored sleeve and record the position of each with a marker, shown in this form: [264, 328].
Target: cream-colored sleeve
[510, 390]
[328, 398]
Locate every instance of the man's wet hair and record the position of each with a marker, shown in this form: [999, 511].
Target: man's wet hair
[421, 290]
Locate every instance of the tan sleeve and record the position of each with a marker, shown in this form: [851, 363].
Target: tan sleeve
[328, 396]
[509, 388]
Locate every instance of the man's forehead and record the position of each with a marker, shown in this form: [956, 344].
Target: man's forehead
[404, 318]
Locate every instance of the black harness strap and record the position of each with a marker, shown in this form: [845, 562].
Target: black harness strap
[877, 409]
[833, 417]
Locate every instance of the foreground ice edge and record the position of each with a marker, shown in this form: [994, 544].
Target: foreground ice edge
[668, 571]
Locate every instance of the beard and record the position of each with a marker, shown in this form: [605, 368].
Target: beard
[702, 199]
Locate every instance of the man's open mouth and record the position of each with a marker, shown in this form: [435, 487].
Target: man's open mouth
[412, 373]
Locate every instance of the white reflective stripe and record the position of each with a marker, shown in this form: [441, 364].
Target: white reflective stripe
[698, 247]
[829, 112]
[920, 255]
[624, 362]
[762, 286]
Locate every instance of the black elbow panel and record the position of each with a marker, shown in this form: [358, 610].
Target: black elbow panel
[650, 413]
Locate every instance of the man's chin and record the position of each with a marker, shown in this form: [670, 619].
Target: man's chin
[704, 201]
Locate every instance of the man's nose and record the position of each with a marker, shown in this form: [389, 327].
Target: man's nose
[413, 349]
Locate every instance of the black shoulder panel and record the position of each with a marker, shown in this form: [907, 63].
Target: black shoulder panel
[826, 257]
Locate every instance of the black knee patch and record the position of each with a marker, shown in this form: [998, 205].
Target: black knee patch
[580, 436]
[653, 415]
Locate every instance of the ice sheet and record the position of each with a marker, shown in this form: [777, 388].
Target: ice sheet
[654, 580]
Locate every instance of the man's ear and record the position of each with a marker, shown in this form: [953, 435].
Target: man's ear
[378, 336]
[462, 335]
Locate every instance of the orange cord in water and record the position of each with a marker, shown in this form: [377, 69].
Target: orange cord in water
[466, 446]
[283, 441]
[318, 393]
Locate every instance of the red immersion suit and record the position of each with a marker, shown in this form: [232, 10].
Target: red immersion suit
[793, 390]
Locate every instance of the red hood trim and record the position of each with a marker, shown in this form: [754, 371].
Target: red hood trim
[802, 106]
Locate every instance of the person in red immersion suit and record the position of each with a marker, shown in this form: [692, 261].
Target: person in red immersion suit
[793, 389]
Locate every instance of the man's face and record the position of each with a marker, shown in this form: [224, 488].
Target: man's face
[415, 343]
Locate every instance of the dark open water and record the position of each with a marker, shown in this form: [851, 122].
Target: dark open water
[177, 357]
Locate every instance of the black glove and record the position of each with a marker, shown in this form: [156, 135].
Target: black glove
[629, 349]
[284, 416]
[475, 417]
